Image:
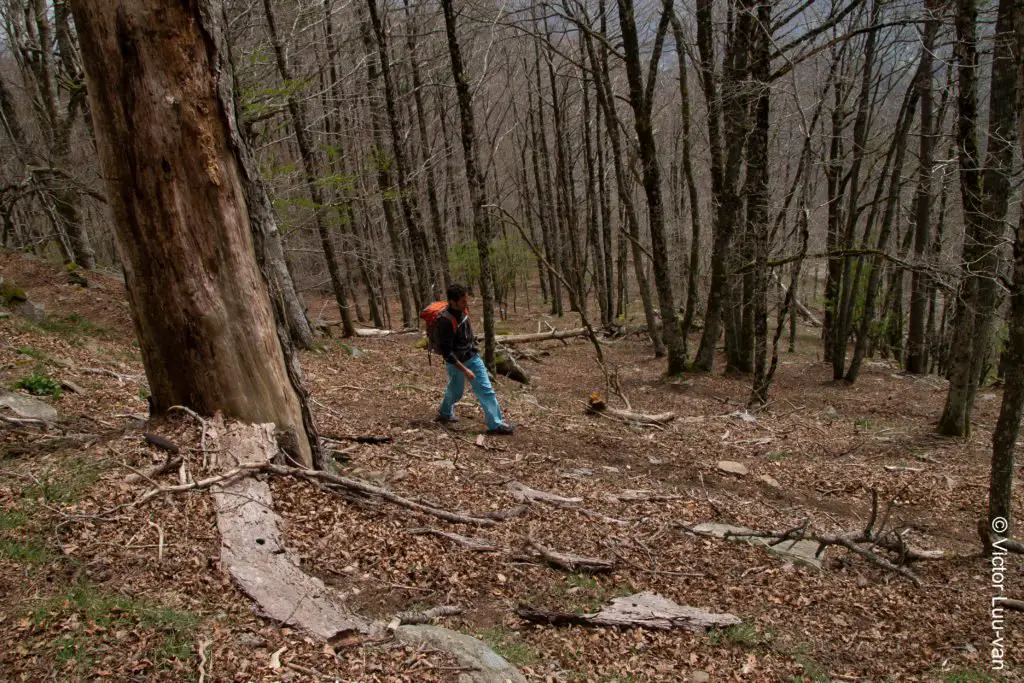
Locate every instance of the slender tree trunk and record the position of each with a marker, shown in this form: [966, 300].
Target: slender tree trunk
[406, 198]
[606, 100]
[384, 185]
[693, 269]
[474, 176]
[985, 198]
[205, 322]
[917, 340]
[833, 174]
[735, 99]
[437, 224]
[757, 204]
[309, 166]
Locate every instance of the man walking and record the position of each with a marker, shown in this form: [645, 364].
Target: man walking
[456, 345]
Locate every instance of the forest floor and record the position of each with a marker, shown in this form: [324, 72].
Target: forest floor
[93, 587]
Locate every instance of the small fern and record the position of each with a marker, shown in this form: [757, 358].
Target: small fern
[39, 385]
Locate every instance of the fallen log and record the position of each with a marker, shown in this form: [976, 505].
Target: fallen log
[541, 336]
[642, 610]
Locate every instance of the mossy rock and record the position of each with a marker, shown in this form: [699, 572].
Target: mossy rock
[11, 293]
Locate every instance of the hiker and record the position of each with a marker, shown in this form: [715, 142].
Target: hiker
[453, 338]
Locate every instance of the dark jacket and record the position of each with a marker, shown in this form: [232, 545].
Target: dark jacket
[455, 343]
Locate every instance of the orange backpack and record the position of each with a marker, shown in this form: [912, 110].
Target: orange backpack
[430, 315]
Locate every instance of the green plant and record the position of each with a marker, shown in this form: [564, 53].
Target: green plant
[39, 384]
[778, 456]
[12, 519]
[863, 422]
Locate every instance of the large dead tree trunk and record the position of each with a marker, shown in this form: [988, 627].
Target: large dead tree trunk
[178, 174]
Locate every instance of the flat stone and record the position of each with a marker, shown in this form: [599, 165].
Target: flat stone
[442, 464]
[487, 666]
[799, 552]
[25, 406]
[700, 677]
[71, 386]
[733, 467]
[770, 480]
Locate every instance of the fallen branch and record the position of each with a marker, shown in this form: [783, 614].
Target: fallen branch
[508, 339]
[317, 476]
[643, 610]
[524, 494]
[474, 544]
[597, 406]
[569, 562]
[110, 373]
[357, 438]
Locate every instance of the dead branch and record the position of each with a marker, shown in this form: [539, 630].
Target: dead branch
[161, 443]
[474, 544]
[110, 373]
[357, 438]
[569, 562]
[508, 339]
[426, 616]
[168, 465]
[524, 494]
[597, 406]
[642, 610]
[316, 476]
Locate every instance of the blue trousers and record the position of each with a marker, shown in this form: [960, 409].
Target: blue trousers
[481, 387]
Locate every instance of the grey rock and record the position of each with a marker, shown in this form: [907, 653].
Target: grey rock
[732, 467]
[798, 552]
[471, 652]
[770, 480]
[700, 676]
[25, 406]
[32, 311]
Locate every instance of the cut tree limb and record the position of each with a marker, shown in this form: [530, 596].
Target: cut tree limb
[169, 465]
[597, 406]
[642, 610]
[474, 544]
[524, 494]
[804, 312]
[568, 561]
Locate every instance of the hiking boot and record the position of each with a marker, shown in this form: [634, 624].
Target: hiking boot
[445, 420]
[502, 430]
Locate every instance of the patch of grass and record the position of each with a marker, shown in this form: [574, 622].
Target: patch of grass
[778, 456]
[813, 671]
[12, 519]
[30, 352]
[744, 635]
[966, 676]
[509, 646]
[863, 422]
[24, 551]
[71, 326]
[64, 484]
[583, 581]
[39, 384]
[97, 608]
